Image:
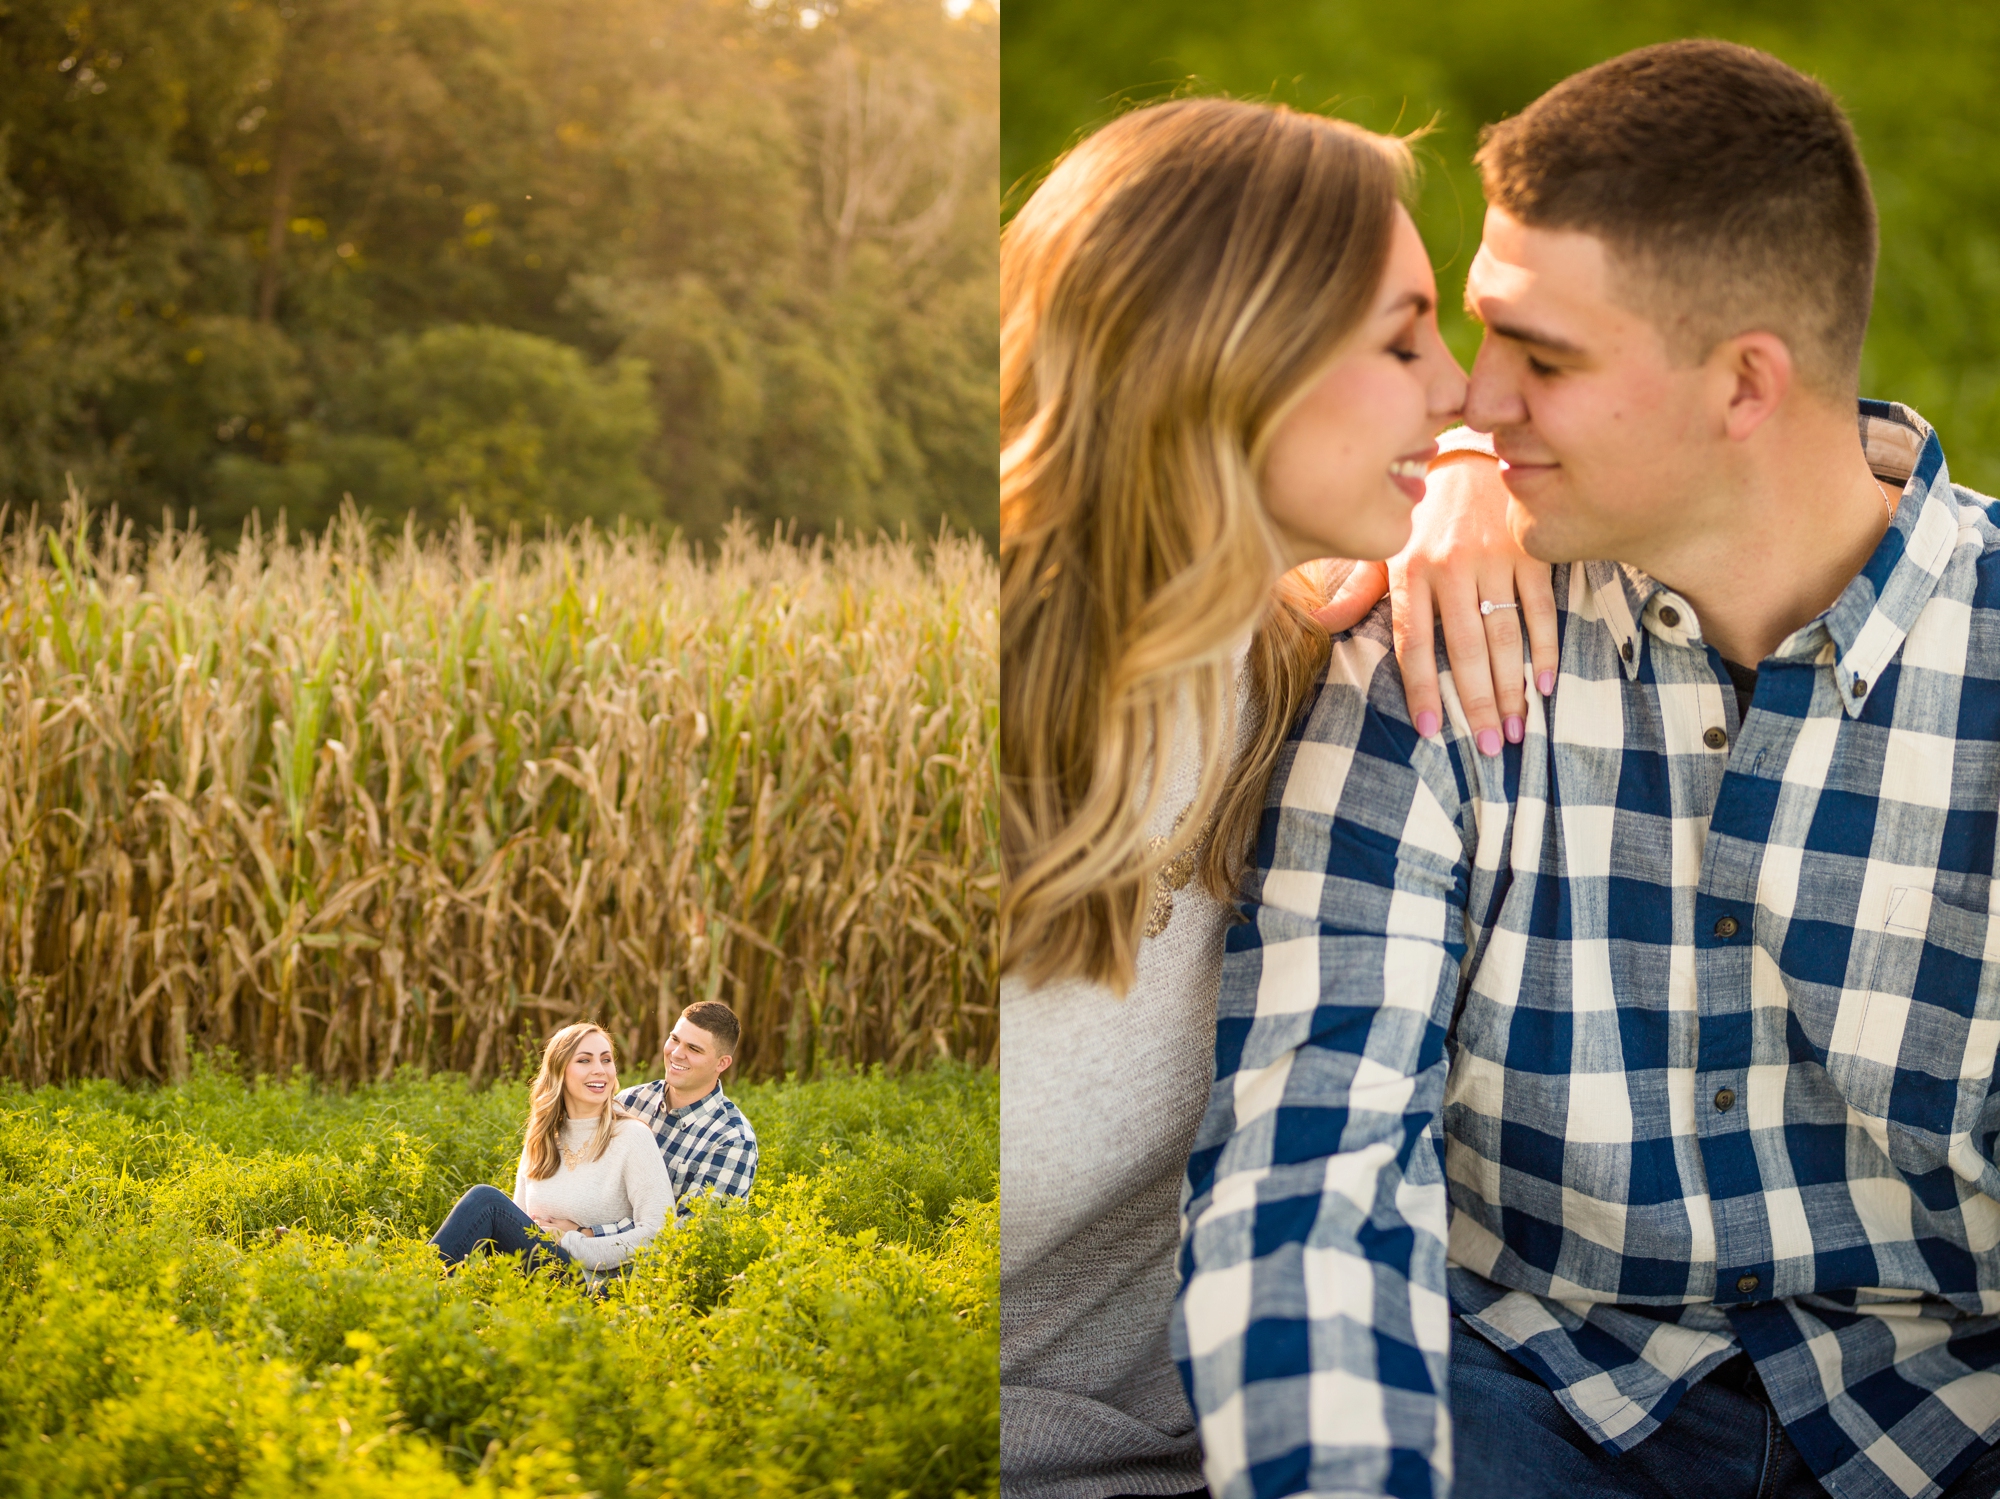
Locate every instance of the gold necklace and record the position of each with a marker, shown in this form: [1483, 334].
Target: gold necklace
[1174, 875]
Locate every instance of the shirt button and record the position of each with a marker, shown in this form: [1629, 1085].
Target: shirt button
[1726, 928]
[1670, 616]
[1625, 650]
[1860, 687]
[1725, 1100]
[1746, 1283]
[1715, 738]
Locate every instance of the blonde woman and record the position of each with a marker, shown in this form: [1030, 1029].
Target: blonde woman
[585, 1160]
[1219, 361]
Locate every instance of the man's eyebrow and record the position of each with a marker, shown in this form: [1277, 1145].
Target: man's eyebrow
[1521, 335]
[1516, 331]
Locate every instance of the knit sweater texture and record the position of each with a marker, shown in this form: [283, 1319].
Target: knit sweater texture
[628, 1181]
[1099, 1101]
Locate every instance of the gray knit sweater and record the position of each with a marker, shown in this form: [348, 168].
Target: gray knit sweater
[1099, 1101]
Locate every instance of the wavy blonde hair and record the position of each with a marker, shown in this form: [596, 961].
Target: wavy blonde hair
[548, 1108]
[1167, 294]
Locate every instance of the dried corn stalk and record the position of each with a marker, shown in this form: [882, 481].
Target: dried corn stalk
[345, 804]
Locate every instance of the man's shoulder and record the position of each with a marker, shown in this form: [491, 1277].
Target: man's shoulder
[734, 1120]
[644, 1097]
[1970, 576]
[1979, 521]
[1360, 675]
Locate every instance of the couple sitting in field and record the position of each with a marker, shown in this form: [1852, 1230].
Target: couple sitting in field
[1593, 1097]
[601, 1171]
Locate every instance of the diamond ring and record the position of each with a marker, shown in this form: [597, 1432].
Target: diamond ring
[1487, 606]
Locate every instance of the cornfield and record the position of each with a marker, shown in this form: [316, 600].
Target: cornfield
[355, 802]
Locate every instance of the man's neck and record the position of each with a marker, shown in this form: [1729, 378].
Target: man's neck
[1802, 523]
[676, 1099]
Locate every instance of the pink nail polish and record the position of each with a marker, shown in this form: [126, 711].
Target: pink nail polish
[1489, 742]
[1513, 728]
[1546, 683]
[1427, 723]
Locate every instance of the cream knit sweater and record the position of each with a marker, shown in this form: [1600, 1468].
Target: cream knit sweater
[1099, 1101]
[628, 1181]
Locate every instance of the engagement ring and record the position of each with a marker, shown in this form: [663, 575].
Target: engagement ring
[1487, 606]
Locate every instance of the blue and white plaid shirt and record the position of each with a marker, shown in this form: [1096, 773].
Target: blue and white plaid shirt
[708, 1146]
[1692, 1019]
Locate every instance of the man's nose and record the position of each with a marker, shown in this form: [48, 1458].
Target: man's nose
[1492, 399]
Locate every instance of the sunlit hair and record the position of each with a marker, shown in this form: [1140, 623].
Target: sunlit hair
[548, 1108]
[1166, 296]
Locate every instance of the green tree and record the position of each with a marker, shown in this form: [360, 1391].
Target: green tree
[511, 426]
[227, 228]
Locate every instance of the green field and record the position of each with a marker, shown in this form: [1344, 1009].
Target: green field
[221, 1289]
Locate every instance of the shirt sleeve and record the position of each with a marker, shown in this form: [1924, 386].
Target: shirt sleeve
[651, 1197]
[1313, 1324]
[1465, 440]
[521, 1183]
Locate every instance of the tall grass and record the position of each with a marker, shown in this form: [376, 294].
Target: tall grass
[354, 802]
[219, 1288]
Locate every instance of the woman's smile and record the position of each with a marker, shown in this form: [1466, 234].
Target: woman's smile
[1407, 472]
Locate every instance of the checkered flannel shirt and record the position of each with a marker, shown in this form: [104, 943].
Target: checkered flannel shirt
[708, 1146]
[1659, 1037]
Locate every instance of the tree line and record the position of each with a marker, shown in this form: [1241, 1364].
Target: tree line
[657, 259]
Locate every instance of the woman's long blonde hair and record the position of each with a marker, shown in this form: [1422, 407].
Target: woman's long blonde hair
[1166, 295]
[548, 1108]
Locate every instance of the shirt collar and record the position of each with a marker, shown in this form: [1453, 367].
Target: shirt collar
[1875, 612]
[688, 1110]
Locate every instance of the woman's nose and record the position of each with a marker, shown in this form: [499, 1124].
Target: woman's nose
[1448, 386]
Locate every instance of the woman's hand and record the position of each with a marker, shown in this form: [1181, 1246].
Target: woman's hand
[559, 1226]
[1461, 553]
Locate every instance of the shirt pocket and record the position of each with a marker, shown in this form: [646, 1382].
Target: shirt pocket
[1916, 1046]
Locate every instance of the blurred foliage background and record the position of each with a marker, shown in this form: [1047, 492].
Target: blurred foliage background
[658, 259]
[1916, 80]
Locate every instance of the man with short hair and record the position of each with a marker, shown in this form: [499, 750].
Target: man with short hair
[1624, 1102]
[706, 1142]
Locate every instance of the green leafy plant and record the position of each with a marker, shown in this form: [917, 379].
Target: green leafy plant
[221, 1288]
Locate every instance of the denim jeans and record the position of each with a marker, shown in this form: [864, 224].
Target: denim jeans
[1511, 1439]
[487, 1215]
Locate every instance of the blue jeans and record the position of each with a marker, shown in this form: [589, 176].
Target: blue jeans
[487, 1215]
[1511, 1439]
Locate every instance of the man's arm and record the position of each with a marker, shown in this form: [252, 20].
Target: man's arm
[1313, 1324]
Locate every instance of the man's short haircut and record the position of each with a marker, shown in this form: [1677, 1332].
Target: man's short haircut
[1727, 187]
[715, 1017]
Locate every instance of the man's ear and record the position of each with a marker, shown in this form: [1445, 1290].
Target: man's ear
[723, 1065]
[1756, 377]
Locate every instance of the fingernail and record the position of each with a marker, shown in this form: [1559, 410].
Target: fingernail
[1427, 723]
[1489, 742]
[1546, 683]
[1514, 728]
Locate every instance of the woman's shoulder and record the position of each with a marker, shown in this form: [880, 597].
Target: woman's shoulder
[630, 1131]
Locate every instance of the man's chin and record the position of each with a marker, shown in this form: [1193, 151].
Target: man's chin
[1541, 540]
